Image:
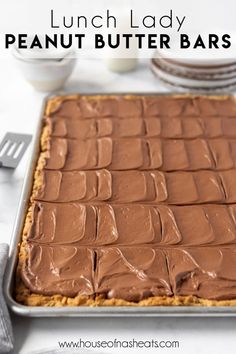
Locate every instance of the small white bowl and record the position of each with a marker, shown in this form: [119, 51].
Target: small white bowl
[45, 74]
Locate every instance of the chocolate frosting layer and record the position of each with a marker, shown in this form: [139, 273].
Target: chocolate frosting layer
[80, 224]
[170, 128]
[141, 154]
[180, 188]
[94, 225]
[132, 273]
[59, 270]
[137, 199]
[85, 107]
[206, 272]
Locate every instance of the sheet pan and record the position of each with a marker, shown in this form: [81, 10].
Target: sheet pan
[124, 311]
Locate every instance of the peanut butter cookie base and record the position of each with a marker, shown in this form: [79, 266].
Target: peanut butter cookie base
[25, 297]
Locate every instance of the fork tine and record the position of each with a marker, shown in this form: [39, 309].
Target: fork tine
[9, 148]
[15, 148]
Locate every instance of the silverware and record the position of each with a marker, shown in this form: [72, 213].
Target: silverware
[12, 149]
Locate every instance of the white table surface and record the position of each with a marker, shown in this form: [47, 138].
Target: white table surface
[19, 110]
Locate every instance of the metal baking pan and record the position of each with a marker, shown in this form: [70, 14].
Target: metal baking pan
[82, 311]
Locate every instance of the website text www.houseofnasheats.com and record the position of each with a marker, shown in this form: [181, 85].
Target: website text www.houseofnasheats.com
[120, 344]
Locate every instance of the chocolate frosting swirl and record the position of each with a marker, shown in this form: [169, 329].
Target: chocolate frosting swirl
[179, 188]
[137, 199]
[141, 154]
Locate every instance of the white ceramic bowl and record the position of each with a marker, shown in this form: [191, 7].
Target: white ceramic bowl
[46, 74]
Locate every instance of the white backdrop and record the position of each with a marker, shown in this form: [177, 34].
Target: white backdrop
[202, 16]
